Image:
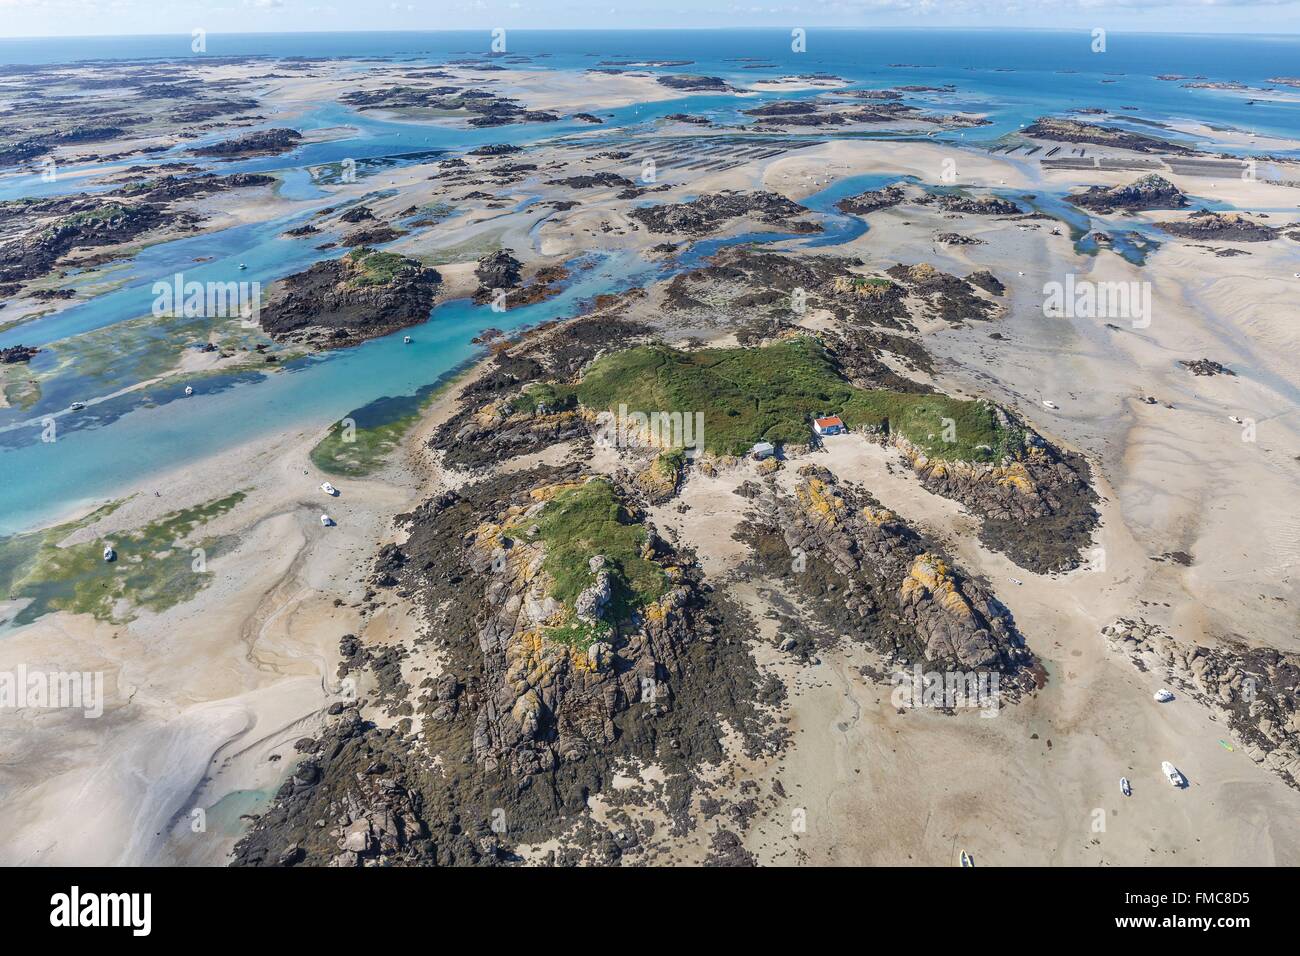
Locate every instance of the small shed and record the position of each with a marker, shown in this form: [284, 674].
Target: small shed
[763, 449]
[831, 425]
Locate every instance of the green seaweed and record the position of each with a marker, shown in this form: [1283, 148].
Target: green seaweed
[155, 567]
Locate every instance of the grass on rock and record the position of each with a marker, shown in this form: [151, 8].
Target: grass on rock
[771, 393]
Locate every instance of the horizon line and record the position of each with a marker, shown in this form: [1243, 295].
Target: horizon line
[656, 29]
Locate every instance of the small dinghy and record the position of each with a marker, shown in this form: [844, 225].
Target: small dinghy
[326, 521]
[967, 860]
[1172, 774]
[189, 389]
[1163, 695]
[109, 553]
[1124, 787]
[329, 489]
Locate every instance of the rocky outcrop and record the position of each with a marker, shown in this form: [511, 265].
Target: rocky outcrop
[1223, 226]
[509, 741]
[1075, 131]
[266, 142]
[950, 297]
[1150, 192]
[95, 223]
[170, 187]
[17, 353]
[695, 84]
[1253, 690]
[872, 577]
[872, 200]
[971, 205]
[481, 108]
[1206, 367]
[340, 302]
[1037, 502]
[709, 213]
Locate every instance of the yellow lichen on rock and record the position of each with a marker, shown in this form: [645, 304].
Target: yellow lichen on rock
[930, 574]
[1014, 475]
[878, 516]
[818, 499]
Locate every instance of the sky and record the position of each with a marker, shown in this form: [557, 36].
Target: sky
[88, 17]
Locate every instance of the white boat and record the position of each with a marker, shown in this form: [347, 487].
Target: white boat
[1124, 787]
[109, 553]
[1171, 773]
[78, 406]
[326, 521]
[1163, 695]
[967, 860]
[242, 267]
[1017, 581]
[1051, 405]
[1234, 419]
[406, 340]
[189, 389]
[329, 489]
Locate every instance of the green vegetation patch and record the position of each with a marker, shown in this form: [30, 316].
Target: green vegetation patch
[771, 393]
[362, 443]
[579, 524]
[377, 268]
[153, 569]
[551, 396]
[104, 213]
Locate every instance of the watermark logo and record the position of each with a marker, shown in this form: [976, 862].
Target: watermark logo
[198, 40]
[649, 172]
[74, 908]
[212, 300]
[947, 690]
[798, 40]
[62, 690]
[1077, 298]
[798, 300]
[1098, 40]
[626, 429]
[498, 39]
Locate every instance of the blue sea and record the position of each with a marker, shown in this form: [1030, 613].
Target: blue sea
[128, 435]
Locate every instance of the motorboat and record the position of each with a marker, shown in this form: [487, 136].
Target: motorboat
[1163, 695]
[1172, 774]
[109, 553]
[406, 340]
[189, 389]
[967, 860]
[329, 489]
[78, 406]
[326, 521]
[1051, 405]
[1124, 787]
